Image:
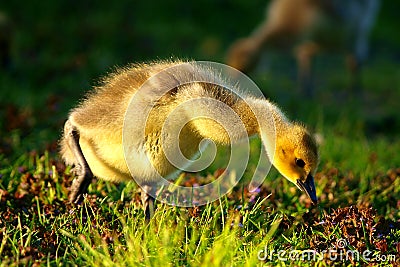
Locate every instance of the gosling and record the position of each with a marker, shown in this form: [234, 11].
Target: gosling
[92, 140]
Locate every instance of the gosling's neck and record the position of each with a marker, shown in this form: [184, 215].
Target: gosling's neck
[261, 115]
[268, 121]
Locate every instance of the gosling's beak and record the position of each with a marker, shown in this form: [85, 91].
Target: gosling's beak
[309, 188]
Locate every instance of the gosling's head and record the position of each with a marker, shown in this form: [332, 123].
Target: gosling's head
[296, 158]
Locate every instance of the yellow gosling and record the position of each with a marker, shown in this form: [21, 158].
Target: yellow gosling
[92, 139]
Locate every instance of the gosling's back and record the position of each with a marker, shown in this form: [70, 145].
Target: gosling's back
[99, 119]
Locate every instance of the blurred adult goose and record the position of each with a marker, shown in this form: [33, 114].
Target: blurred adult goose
[93, 141]
[309, 27]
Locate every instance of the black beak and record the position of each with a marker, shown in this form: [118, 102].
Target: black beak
[309, 188]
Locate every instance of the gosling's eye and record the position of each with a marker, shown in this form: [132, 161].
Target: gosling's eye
[300, 163]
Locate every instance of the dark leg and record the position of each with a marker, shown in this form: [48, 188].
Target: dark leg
[304, 55]
[147, 202]
[82, 170]
[354, 66]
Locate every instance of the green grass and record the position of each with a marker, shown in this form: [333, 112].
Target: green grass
[59, 50]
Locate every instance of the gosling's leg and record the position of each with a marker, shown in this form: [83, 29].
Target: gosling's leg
[84, 175]
[147, 202]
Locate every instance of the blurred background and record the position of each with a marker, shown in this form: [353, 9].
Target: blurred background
[52, 52]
